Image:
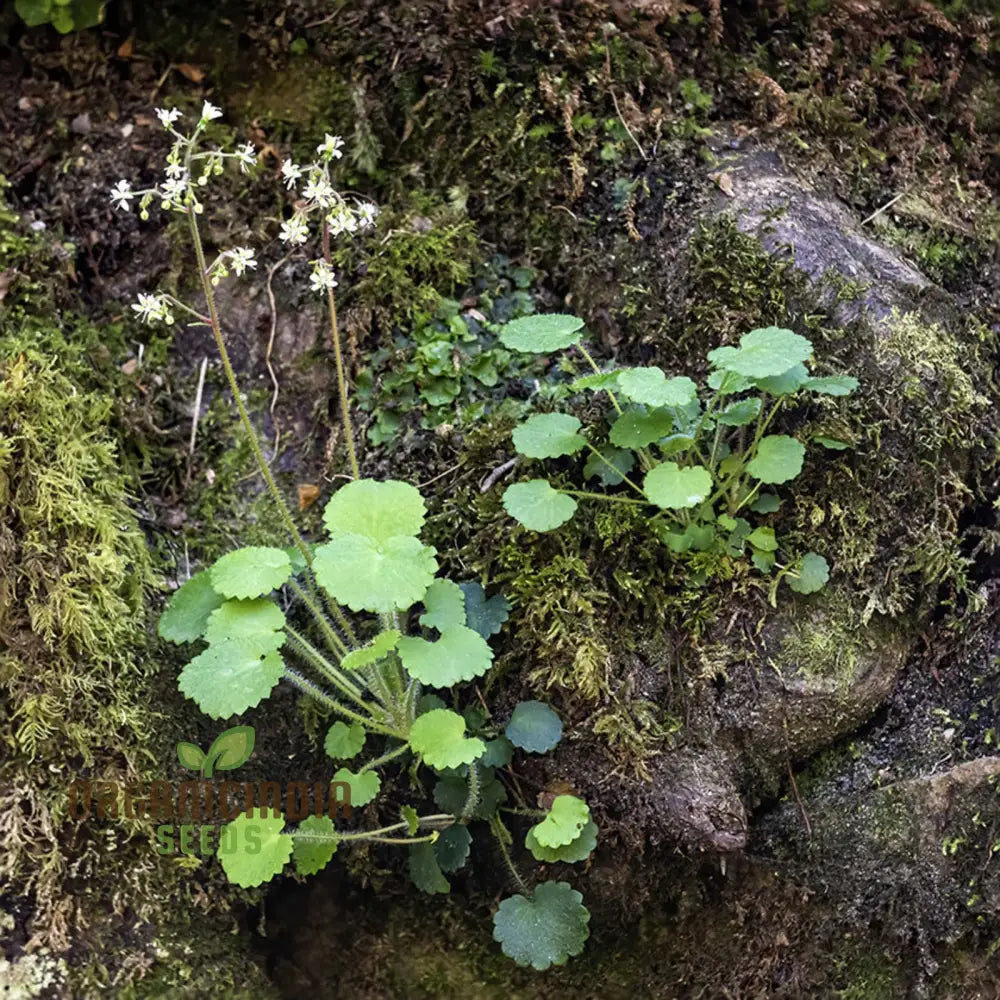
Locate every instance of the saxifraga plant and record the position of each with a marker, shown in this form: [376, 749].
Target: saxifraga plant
[701, 463]
[369, 625]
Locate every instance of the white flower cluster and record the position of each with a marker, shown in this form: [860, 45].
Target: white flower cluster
[188, 168]
[154, 308]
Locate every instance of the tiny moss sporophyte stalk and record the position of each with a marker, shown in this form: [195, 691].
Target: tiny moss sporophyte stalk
[696, 466]
[360, 621]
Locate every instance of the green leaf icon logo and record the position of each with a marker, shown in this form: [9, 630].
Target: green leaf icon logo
[228, 751]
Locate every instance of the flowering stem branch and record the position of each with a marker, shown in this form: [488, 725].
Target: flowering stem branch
[345, 409]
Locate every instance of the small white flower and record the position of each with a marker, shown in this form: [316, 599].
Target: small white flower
[322, 277]
[174, 189]
[167, 116]
[242, 259]
[367, 213]
[247, 156]
[121, 194]
[210, 111]
[175, 170]
[291, 172]
[331, 148]
[319, 190]
[294, 231]
[342, 220]
[152, 308]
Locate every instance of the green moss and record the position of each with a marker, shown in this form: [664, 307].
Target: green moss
[826, 644]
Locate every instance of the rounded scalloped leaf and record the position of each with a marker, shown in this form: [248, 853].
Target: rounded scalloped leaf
[258, 621]
[375, 510]
[634, 429]
[253, 848]
[251, 572]
[452, 847]
[610, 465]
[344, 741]
[459, 655]
[565, 821]
[778, 459]
[309, 855]
[652, 388]
[230, 677]
[364, 787]
[675, 488]
[537, 506]
[545, 929]
[812, 571]
[439, 737]
[763, 353]
[425, 872]
[542, 334]
[186, 615]
[577, 850]
[485, 616]
[833, 385]
[534, 727]
[444, 605]
[548, 435]
[368, 576]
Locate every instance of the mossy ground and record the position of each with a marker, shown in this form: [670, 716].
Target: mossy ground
[574, 142]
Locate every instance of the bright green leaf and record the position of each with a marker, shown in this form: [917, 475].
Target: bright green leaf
[651, 387]
[725, 382]
[537, 506]
[312, 852]
[833, 385]
[344, 741]
[534, 727]
[566, 819]
[258, 621]
[763, 353]
[635, 429]
[439, 736]
[778, 459]
[542, 334]
[669, 486]
[444, 605]
[811, 574]
[460, 654]
[364, 787]
[253, 848]
[763, 539]
[548, 435]
[190, 756]
[186, 614]
[375, 510]
[230, 677]
[577, 850]
[370, 576]
[544, 929]
[251, 572]
[832, 443]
